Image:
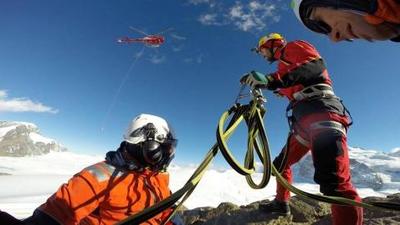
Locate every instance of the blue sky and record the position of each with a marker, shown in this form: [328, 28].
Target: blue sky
[60, 60]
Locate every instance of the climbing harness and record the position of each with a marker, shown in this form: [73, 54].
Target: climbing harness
[312, 91]
[329, 125]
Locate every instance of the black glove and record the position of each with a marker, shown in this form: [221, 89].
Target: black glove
[40, 218]
[273, 83]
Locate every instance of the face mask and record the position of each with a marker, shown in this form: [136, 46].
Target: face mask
[152, 152]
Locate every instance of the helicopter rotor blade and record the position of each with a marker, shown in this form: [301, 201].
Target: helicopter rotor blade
[166, 30]
[137, 30]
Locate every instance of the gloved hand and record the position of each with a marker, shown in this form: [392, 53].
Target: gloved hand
[273, 84]
[254, 80]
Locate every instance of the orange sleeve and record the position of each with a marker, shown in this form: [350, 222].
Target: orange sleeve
[388, 11]
[75, 200]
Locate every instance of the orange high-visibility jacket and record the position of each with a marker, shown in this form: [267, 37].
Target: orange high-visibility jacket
[387, 11]
[102, 195]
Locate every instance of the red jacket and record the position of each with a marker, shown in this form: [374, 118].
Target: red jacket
[102, 195]
[300, 66]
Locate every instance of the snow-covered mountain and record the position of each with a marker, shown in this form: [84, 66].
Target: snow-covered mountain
[43, 174]
[369, 169]
[22, 139]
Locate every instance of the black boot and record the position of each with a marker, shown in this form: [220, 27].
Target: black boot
[276, 207]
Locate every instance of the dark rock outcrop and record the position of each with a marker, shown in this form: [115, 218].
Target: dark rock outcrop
[304, 212]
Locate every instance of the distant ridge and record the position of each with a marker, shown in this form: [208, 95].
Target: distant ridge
[18, 139]
[369, 169]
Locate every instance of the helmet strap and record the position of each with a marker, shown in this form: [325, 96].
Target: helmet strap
[272, 52]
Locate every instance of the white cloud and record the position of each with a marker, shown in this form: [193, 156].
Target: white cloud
[236, 11]
[208, 19]
[156, 59]
[276, 18]
[22, 105]
[3, 93]
[210, 3]
[252, 15]
[254, 5]
[196, 2]
[395, 150]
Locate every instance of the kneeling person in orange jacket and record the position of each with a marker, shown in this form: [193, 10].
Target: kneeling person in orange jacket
[131, 179]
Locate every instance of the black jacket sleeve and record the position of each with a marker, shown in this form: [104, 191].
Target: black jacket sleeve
[40, 218]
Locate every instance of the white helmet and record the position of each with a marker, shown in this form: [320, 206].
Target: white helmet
[302, 10]
[295, 5]
[151, 141]
[135, 134]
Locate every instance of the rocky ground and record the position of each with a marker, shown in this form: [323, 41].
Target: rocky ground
[304, 212]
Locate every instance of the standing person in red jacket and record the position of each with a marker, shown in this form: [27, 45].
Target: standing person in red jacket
[131, 179]
[351, 19]
[318, 122]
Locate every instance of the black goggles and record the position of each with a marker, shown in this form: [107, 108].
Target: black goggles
[170, 143]
[317, 26]
[256, 50]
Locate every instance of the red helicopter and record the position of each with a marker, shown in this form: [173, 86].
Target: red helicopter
[154, 40]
